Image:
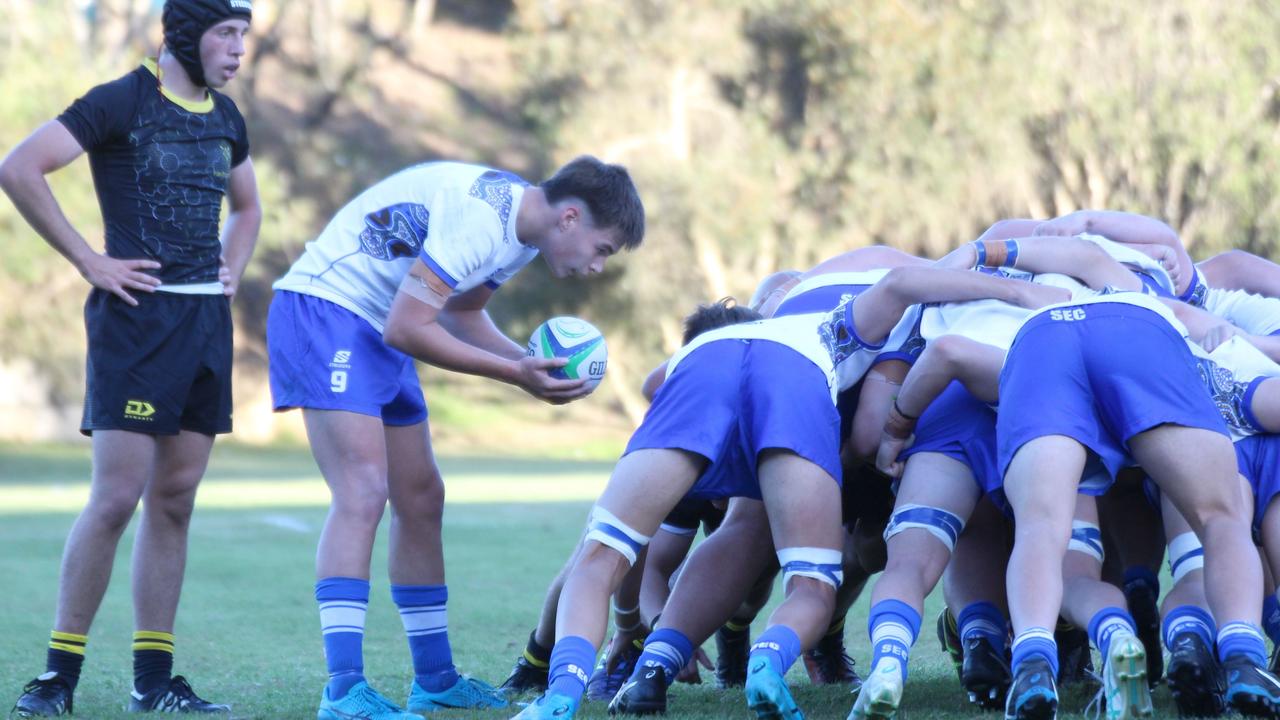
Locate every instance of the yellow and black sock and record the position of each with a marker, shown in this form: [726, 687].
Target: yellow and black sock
[152, 659]
[734, 628]
[66, 655]
[535, 654]
[835, 628]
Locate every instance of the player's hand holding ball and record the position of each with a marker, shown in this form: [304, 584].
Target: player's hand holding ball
[566, 359]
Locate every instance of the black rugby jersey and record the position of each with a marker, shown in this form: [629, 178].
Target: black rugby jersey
[161, 167]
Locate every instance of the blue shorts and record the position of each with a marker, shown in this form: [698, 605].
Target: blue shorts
[1258, 458]
[1100, 374]
[963, 428]
[325, 357]
[730, 400]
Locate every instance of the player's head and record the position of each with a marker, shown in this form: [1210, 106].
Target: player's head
[725, 311]
[598, 212]
[207, 37]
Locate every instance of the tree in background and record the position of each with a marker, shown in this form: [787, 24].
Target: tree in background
[763, 133]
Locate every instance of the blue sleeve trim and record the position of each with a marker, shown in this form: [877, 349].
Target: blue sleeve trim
[427, 260]
[1191, 286]
[1246, 405]
[905, 357]
[853, 330]
[493, 285]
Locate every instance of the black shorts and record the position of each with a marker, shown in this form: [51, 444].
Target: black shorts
[689, 513]
[865, 496]
[160, 367]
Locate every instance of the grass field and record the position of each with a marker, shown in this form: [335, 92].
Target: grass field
[248, 630]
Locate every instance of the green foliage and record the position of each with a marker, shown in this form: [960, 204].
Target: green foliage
[763, 134]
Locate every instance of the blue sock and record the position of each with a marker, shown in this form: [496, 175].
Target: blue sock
[1035, 642]
[1188, 618]
[668, 649]
[571, 661]
[1242, 638]
[983, 619]
[1105, 623]
[779, 646]
[343, 602]
[893, 626]
[426, 625]
[1271, 617]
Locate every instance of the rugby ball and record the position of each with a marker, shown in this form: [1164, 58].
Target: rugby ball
[576, 340]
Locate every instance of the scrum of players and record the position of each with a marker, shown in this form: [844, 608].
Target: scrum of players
[1032, 419]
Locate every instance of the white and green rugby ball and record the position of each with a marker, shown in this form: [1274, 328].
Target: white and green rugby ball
[576, 340]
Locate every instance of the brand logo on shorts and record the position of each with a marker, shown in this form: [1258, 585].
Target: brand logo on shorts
[139, 410]
[341, 357]
[1067, 314]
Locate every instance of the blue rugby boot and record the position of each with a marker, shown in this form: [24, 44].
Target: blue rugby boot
[604, 685]
[361, 703]
[552, 706]
[1034, 694]
[767, 693]
[1251, 691]
[466, 693]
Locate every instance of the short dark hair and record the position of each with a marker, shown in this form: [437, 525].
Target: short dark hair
[725, 311]
[607, 190]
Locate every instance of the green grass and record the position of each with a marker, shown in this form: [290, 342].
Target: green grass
[248, 629]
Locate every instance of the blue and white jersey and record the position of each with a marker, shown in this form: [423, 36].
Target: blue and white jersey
[829, 291]
[459, 219]
[798, 332]
[821, 293]
[1138, 262]
[1255, 314]
[993, 322]
[1086, 296]
[1231, 374]
[827, 339]
[996, 323]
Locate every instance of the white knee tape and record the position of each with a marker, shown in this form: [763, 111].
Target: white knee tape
[1086, 538]
[817, 563]
[1185, 555]
[942, 524]
[608, 530]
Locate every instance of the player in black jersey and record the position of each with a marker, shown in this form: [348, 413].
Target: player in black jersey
[165, 148]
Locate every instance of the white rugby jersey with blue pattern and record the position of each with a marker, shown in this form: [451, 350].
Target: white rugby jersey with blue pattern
[827, 339]
[459, 219]
[1255, 314]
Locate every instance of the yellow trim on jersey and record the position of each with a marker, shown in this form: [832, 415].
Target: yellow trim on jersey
[195, 106]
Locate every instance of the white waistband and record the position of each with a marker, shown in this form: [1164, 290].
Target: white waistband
[208, 288]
